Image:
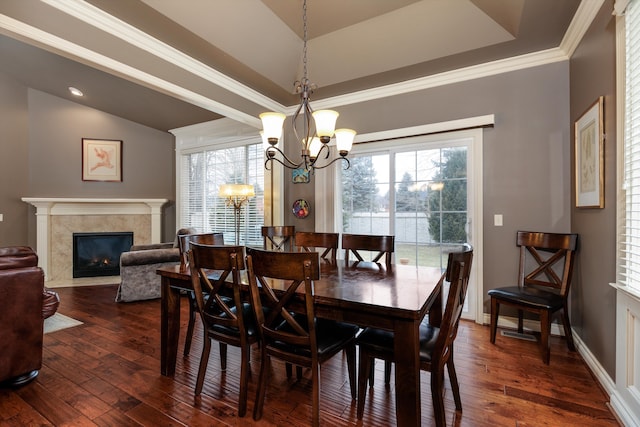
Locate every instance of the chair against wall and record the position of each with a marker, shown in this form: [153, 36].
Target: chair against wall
[299, 339]
[184, 241]
[278, 237]
[310, 241]
[383, 245]
[229, 325]
[436, 343]
[544, 277]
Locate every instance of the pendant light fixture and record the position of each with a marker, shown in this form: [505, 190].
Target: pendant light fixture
[317, 127]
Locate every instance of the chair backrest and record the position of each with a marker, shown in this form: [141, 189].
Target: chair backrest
[182, 231]
[457, 275]
[383, 245]
[227, 260]
[278, 237]
[185, 240]
[465, 255]
[272, 299]
[310, 241]
[546, 259]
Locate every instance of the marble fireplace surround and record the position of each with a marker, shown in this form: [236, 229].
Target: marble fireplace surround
[58, 218]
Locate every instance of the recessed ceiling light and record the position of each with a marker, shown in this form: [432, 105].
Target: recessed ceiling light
[75, 92]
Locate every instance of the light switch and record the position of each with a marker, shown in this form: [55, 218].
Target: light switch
[497, 220]
[1, 217]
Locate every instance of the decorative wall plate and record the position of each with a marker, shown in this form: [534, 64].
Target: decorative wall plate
[301, 208]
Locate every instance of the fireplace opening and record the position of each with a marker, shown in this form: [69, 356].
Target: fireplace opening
[98, 254]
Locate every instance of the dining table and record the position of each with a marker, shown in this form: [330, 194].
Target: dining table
[366, 294]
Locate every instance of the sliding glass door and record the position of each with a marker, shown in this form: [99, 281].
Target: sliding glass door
[417, 189]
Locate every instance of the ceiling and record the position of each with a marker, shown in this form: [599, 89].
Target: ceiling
[169, 64]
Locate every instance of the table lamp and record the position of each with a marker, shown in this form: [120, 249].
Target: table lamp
[236, 195]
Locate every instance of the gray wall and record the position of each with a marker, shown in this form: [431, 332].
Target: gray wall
[45, 140]
[592, 74]
[14, 162]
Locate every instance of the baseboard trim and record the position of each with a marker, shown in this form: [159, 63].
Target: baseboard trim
[83, 281]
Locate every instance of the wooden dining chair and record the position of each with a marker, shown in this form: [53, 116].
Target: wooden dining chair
[229, 325]
[436, 342]
[281, 284]
[203, 238]
[311, 241]
[183, 243]
[354, 243]
[278, 237]
[544, 277]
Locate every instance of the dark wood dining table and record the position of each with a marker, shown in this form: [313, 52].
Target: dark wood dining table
[367, 295]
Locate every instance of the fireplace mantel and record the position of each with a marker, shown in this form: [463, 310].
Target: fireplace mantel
[50, 207]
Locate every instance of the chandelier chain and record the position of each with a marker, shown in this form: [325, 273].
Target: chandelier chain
[304, 40]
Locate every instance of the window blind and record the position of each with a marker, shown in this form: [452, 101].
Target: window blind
[202, 173]
[630, 265]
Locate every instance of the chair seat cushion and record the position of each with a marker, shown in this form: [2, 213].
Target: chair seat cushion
[249, 323]
[381, 341]
[330, 337]
[528, 296]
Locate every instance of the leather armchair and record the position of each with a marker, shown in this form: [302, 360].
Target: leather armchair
[138, 277]
[26, 303]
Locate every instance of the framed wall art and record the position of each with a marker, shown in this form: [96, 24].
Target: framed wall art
[101, 160]
[589, 139]
[300, 176]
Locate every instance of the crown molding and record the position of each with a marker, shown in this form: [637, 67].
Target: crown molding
[450, 77]
[586, 13]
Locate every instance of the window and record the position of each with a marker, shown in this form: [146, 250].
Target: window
[630, 239]
[203, 171]
[425, 190]
[417, 194]
[365, 195]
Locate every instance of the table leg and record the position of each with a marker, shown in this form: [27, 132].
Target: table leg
[407, 358]
[169, 327]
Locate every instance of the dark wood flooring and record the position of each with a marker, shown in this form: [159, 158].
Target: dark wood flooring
[106, 372]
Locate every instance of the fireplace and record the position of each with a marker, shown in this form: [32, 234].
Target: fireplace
[98, 254]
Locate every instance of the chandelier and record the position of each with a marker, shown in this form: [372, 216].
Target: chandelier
[316, 133]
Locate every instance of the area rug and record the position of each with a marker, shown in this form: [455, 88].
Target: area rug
[58, 322]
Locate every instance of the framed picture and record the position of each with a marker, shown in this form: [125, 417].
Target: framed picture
[589, 135]
[300, 176]
[101, 160]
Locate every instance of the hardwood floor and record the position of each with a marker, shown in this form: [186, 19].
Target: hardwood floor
[106, 372]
